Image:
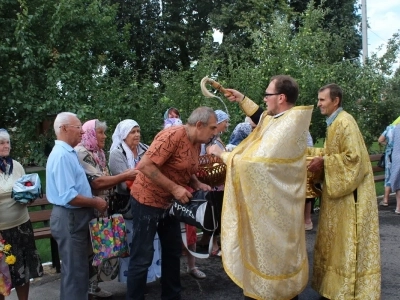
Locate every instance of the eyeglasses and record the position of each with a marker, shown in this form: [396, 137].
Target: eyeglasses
[76, 126]
[272, 94]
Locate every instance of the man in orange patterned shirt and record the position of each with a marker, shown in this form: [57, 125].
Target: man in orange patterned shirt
[167, 168]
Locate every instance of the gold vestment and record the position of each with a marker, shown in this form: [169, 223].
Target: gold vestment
[262, 233]
[347, 256]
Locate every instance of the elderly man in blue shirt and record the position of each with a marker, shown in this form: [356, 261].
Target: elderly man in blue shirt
[68, 189]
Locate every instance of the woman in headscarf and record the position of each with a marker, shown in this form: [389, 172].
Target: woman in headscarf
[241, 131]
[15, 226]
[93, 160]
[172, 112]
[125, 153]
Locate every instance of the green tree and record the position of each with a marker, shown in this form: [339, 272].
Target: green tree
[342, 18]
[51, 59]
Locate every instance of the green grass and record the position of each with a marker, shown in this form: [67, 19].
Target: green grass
[43, 246]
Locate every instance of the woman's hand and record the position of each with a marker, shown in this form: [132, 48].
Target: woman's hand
[382, 140]
[130, 174]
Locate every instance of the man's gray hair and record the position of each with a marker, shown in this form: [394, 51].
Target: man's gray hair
[62, 119]
[4, 136]
[201, 114]
[100, 124]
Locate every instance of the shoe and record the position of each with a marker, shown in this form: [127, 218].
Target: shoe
[397, 212]
[94, 290]
[308, 226]
[196, 273]
[382, 203]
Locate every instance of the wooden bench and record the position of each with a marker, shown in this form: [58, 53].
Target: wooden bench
[42, 217]
[378, 176]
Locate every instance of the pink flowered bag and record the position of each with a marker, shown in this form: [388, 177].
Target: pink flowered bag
[5, 278]
[108, 238]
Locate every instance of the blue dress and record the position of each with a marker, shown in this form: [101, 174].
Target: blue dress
[388, 134]
[395, 166]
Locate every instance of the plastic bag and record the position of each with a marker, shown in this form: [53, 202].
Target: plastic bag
[27, 188]
[108, 237]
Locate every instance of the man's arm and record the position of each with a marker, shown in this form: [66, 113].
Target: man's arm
[251, 109]
[95, 202]
[151, 171]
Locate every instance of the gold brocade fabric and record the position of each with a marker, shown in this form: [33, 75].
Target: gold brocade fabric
[347, 254]
[262, 233]
[248, 106]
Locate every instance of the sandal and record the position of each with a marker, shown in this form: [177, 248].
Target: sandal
[397, 212]
[196, 273]
[383, 203]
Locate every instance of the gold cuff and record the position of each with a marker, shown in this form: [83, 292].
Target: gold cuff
[248, 106]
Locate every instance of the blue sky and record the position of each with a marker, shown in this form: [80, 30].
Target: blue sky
[383, 20]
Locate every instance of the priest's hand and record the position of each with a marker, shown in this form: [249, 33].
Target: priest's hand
[234, 95]
[317, 164]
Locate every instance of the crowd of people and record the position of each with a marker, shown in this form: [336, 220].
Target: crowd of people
[261, 208]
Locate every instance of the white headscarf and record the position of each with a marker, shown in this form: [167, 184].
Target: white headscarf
[121, 132]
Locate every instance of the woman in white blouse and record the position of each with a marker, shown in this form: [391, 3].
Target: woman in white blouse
[15, 226]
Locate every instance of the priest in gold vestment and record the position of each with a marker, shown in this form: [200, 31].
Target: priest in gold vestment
[347, 256]
[262, 233]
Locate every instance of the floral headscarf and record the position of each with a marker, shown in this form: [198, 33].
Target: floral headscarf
[89, 141]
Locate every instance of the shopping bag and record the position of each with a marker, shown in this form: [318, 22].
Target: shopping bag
[27, 188]
[199, 212]
[108, 235]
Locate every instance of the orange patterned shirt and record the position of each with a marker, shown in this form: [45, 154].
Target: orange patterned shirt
[176, 157]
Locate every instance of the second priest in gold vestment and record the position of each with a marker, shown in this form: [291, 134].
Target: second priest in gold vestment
[347, 252]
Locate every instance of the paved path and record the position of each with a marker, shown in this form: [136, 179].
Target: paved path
[217, 285]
